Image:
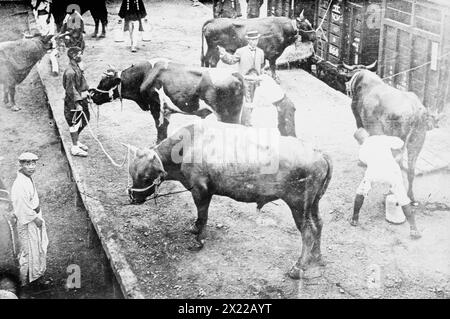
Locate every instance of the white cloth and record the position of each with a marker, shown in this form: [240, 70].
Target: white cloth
[268, 91]
[33, 241]
[376, 153]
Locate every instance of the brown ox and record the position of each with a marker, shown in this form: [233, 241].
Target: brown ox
[17, 58]
[246, 164]
[384, 110]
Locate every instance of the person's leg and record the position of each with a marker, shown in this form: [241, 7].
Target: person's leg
[133, 35]
[74, 134]
[398, 189]
[362, 191]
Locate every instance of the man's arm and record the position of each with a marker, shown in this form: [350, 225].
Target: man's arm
[227, 57]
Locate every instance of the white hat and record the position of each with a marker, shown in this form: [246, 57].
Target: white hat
[27, 156]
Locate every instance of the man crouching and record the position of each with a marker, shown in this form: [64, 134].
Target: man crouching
[376, 153]
[76, 101]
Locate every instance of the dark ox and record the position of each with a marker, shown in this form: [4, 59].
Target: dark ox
[97, 8]
[215, 160]
[17, 58]
[384, 110]
[221, 90]
[277, 33]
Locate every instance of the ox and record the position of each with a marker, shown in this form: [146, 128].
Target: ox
[277, 33]
[17, 58]
[97, 8]
[185, 85]
[384, 110]
[247, 164]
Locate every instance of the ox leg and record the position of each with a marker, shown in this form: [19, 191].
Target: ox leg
[103, 29]
[273, 68]
[414, 147]
[162, 130]
[5, 94]
[202, 199]
[318, 224]
[97, 21]
[12, 99]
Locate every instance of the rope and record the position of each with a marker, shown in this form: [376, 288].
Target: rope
[101, 145]
[415, 68]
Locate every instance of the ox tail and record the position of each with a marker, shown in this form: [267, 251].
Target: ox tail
[327, 177]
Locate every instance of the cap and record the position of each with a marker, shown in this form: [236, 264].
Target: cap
[27, 156]
[72, 51]
[251, 35]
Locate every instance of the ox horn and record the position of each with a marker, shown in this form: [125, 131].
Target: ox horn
[302, 16]
[349, 67]
[372, 66]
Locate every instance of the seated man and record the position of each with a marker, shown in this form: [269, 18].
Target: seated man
[376, 153]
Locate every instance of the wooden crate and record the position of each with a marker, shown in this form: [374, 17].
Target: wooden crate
[350, 33]
[351, 30]
[291, 8]
[414, 33]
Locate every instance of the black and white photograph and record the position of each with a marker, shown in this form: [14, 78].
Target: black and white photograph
[225, 150]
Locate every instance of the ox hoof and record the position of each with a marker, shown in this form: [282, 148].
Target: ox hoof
[415, 234]
[295, 273]
[93, 35]
[196, 246]
[320, 261]
[194, 230]
[103, 35]
[354, 222]
[15, 108]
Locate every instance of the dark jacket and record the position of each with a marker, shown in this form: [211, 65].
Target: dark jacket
[132, 10]
[74, 83]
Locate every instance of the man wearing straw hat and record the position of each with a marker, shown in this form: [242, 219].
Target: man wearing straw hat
[31, 228]
[76, 101]
[376, 153]
[251, 60]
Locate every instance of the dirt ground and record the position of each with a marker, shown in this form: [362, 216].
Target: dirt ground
[246, 254]
[32, 130]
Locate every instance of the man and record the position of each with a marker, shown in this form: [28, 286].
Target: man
[31, 228]
[226, 9]
[46, 26]
[269, 93]
[76, 101]
[250, 58]
[74, 31]
[253, 7]
[376, 153]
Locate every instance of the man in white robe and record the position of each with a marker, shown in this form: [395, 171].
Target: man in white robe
[32, 233]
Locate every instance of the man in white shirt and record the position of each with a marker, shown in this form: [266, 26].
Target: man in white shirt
[376, 153]
[31, 227]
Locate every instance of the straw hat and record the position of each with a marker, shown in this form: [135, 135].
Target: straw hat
[252, 35]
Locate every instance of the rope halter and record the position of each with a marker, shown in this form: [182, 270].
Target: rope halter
[156, 183]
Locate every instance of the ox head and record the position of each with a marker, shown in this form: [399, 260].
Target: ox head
[108, 88]
[350, 70]
[305, 29]
[147, 173]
